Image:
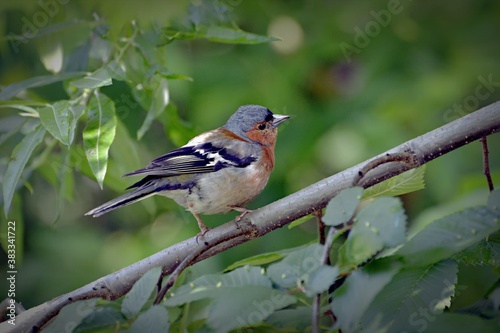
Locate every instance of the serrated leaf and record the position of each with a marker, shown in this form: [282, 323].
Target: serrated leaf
[99, 78]
[245, 306]
[157, 96]
[353, 298]
[154, 319]
[381, 224]
[409, 181]
[210, 286]
[342, 207]
[320, 279]
[99, 134]
[456, 322]
[411, 293]
[257, 260]
[20, 156]
[450, 235]
[56, 118]
[486, 252]
[137, 297]
[38, 81]
[294, 268]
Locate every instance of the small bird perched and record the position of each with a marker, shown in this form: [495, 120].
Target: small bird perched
[216, 172]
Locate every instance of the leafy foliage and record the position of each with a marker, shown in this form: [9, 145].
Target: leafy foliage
[410, 289]
[385, 273]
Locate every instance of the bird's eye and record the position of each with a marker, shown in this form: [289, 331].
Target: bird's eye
[261, 126]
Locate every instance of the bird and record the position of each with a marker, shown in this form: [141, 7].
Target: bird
[215, 172]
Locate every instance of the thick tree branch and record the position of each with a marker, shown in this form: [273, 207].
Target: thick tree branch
[424, 148]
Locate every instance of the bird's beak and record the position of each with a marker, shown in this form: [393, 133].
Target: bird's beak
[278, 119]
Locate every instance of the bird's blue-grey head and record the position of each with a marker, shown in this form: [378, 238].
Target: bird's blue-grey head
[245, 118]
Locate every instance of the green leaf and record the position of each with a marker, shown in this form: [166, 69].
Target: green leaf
[450, 235]
[381, 224]
[257, 260]
[455, 322]
[409, 181]
[18, 159]
[296, 320]
[342, 207]
[101, 317]
[154, 319]
[486, 252]
[494, 201]
[140, 293]
[94, 80]
[56, 119]
[245, 306]
[412, 295]
[159, 99]
[353, 298]
[227, 35]
[15, 88]
[99, 134]
[178, 131]
[210, 286]
[296, 266]
[320, 279]
[72, 314]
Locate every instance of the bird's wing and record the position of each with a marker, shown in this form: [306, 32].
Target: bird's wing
[199, 158]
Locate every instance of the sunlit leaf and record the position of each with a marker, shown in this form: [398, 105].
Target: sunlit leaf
[18, 159]
[99, 134]
[409, 181]
[38, 81]
[342, 207]
[57, 118]
[97, 79]
[228, 35]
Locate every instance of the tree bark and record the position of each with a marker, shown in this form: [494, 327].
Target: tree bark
[422, 149]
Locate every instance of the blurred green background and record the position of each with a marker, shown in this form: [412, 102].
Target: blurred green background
[358, 78]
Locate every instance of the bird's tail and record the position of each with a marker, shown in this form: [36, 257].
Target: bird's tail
[124, 200]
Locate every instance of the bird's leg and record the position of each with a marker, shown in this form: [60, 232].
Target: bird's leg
[201, 225]
[242, 210]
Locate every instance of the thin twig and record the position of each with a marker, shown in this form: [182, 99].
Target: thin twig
[407, 158]
[321, 226]
[486, 163]
[178, 270]
[426, 147]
